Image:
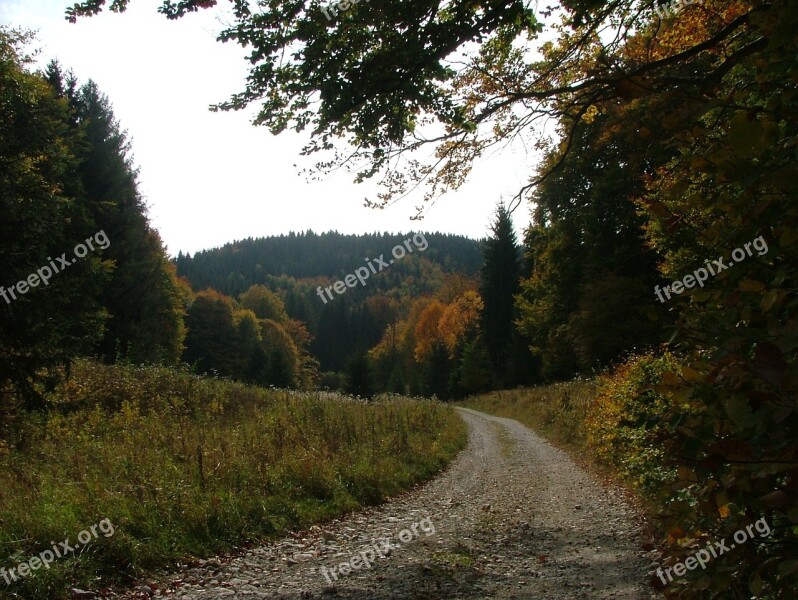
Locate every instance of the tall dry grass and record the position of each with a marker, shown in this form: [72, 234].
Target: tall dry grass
[188, 466]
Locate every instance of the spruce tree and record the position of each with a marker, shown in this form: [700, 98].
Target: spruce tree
[500, 284]
[47, 316]
[144, 300]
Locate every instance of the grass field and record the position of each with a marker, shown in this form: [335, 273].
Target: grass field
[186, 466]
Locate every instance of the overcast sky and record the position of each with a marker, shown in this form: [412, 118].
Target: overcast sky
[210, 178]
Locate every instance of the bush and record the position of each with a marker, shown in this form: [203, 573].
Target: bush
[629, 421]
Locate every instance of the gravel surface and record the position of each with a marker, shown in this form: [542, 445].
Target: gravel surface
[513, 517]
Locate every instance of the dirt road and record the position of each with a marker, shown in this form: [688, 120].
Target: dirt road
[512, 517]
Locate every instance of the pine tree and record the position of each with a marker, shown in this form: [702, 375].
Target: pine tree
[144, 299]
[500, 283]
[53, 321]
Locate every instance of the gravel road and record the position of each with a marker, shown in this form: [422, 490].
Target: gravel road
[513, 517]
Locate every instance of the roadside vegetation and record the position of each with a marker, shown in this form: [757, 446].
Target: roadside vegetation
[618, 422]
[628, 424]
[185, 466]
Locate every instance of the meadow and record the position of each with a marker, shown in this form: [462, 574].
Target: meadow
[186, 466]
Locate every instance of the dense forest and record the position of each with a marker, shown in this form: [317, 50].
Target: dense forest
[235, 267]
[66, 177]
[441, 322]
[661, 252]
[294, 266]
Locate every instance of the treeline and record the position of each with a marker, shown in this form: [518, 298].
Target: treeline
[337, 332]
[574, 298]
[415, 328]
[236, 266]
[66, 176]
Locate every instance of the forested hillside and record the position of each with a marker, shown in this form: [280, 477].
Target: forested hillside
[235, 267]
[292, 267]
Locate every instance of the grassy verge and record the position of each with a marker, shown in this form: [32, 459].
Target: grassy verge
[565, 414]
[184, 466]
[558, 411]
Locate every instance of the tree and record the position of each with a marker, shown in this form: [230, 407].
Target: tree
[53, 321]
[427, 334]
[611, 320]
[279, 373]
[248, 342]
[211, 337]
[435, 372]
[359, 380]
[459, 323]
[388, 85]
[284, 356]
[475, 374]
[308, 366]
[264, 303]
[588, 299]
[399, 66]
[144, 300]
[500, 284]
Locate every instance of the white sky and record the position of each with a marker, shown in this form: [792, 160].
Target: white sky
[211, 178]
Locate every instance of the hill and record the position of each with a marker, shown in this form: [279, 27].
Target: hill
[236, 266]
[299, 265]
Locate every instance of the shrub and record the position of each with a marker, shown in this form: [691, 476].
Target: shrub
[630, 419]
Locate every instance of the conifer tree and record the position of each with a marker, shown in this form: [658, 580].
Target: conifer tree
[359, 380]
[500, 283]
[144, 299]
[43, 324]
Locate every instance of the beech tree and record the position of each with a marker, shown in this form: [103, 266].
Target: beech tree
[389, 78]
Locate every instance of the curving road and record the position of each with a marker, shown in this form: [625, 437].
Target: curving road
[512, 517]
